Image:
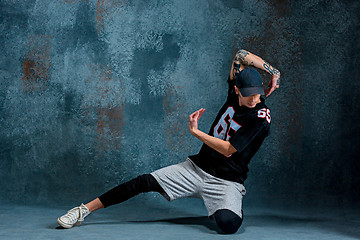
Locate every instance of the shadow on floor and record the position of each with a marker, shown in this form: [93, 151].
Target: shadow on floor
[330, 223]
[272, 219]
[203, 223]
[194, 221]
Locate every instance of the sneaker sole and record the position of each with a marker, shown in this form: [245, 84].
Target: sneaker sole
[64, 225]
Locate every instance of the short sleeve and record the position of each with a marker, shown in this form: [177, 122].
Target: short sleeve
[246, 135]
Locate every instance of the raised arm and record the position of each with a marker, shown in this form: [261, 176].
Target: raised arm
[243, 58]
[222, 146]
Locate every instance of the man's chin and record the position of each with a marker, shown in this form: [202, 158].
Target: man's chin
[251, 106]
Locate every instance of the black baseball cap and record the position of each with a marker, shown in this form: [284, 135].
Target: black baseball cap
[249, 82]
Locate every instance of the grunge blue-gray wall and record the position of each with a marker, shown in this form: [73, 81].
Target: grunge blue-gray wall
[94, 92]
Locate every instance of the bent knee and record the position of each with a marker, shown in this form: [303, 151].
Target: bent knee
[227, 221]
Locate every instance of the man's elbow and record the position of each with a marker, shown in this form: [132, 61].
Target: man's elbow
[242, 53]
[229, 151]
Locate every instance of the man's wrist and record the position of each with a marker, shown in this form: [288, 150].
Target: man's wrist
[270, 69]
[195, 132]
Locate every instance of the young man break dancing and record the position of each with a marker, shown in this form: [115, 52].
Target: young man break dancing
[217, 173]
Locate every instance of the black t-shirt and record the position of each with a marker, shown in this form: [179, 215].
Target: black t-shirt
[245, 128]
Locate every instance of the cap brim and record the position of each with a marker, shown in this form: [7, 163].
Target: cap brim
[246, 92]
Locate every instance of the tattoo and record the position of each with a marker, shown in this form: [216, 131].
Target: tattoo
[271, 70]
[236, 69]
[240, 56]
[238, 60]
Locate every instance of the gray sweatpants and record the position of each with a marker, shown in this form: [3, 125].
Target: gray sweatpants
[188, 180]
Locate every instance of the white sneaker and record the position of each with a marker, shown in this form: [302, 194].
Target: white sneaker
[73, 217]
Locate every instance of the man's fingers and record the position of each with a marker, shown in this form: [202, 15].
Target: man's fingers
[193, 115]
[197, 114]
[269, 91]
[201, 111]
[273, 85]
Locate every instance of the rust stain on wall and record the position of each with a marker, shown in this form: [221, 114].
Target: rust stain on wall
[174, 105]
[269, 46]
[109, 125]
[110, 119]
[37, 63]
[103, 9]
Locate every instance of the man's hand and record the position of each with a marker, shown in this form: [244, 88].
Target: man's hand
[193, 120]
[273, 84]
[222, 146]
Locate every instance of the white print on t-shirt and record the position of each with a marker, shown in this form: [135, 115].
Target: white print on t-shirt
[221, 128]
[264, 113]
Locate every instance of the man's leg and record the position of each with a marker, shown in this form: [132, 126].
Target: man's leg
[141, 184]
[223, 200]
[94, 205]
[228, 221]
[121, 193]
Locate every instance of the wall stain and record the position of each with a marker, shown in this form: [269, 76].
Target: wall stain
[270, 48]
[37, 63]
[109, 125]
[173, 105]
[151, 59]
[104, 8]
[110, 118]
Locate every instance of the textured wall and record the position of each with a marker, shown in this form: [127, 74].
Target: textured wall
[94, 92]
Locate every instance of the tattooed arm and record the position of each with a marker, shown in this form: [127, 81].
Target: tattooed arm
[243, 58]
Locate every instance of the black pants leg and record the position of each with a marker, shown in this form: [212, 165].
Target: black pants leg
[141, 184]
[228, 221]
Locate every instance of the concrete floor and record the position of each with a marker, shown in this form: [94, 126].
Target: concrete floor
[181, 219]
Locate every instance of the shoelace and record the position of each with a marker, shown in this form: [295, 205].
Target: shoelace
[74, 214]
